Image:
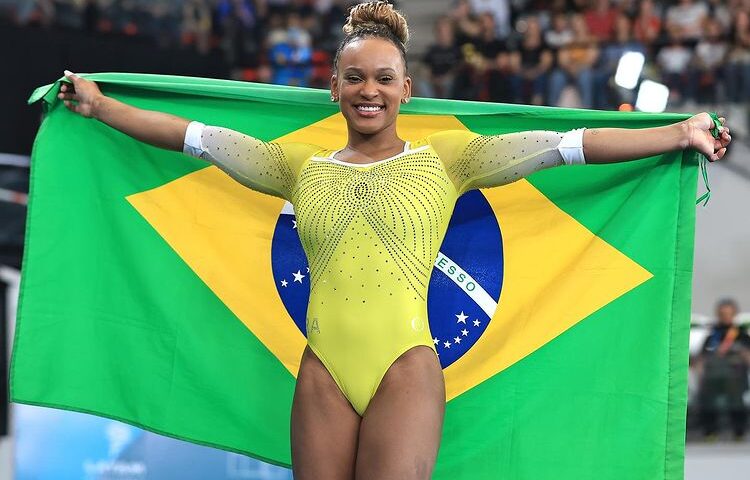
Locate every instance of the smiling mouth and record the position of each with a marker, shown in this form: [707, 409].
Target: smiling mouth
[369, 108]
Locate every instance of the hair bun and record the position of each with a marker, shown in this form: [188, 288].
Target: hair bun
[372, 15]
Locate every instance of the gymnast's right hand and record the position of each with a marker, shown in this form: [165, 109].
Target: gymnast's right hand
[84, 92]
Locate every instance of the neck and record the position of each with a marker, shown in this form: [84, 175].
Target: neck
[372, 144]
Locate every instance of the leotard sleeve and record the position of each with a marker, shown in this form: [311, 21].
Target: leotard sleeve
[482, 161]
[267, 167]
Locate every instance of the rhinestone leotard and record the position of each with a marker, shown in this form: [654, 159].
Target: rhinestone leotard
[371, 232]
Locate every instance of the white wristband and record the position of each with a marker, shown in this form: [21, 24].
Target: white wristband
[192, 145]
[571, 147]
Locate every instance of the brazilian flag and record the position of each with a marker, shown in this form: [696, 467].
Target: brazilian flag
[159, 292]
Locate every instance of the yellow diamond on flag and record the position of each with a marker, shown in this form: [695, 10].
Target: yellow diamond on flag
[556, 271]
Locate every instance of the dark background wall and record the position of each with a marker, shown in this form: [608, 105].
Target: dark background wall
[34, 57]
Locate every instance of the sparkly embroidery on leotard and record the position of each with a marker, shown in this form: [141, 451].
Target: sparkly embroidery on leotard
[260, 165]
[492, 160]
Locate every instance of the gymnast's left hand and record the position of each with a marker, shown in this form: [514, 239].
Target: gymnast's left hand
[698, 130]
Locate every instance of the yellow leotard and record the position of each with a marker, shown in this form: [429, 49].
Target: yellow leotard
[371, 232]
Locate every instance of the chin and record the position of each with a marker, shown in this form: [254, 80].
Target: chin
[368, 129]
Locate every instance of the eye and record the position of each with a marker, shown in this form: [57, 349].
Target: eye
[352, 78]
[386, 79]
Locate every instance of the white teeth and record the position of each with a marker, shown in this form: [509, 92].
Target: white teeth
[369, 108]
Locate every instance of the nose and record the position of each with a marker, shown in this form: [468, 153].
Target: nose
[370, 89]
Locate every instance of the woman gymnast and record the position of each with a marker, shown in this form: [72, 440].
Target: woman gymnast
[370, 395]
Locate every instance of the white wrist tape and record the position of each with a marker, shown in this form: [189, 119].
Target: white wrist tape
[192, 145]
[571, 147]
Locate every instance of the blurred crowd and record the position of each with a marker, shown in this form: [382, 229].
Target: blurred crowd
[519, 51]
[287, 42]
[486, 50]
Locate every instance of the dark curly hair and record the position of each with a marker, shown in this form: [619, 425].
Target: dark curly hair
[375, 19]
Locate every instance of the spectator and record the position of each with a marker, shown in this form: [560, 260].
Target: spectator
[647, 24]
[197, 25]
[500, 11]
[685, 20]
[441, 59]
[487, 42]
[720, 11]
[467, 26]
[575, 63]
[532, 64]
[723, 367]
[600, 20]
[560, 34]
[673, 61]
[609, 60]
[738, 59]
[290, 51]
[710, 54]
[470, 82]
[493, 73]
[502, 80]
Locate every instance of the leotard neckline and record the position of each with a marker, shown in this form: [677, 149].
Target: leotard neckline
[330, 158]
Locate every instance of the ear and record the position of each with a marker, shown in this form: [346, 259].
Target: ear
[334, 86]
[407, 88]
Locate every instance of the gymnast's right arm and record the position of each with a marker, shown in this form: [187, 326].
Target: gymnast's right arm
[267, 167]
[160, 129]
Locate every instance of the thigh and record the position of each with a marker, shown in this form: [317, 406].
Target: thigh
[324, 428]
[401, 429]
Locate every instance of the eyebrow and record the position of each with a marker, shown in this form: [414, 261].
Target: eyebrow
[380, 70]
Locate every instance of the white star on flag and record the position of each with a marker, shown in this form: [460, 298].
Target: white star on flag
[464, 332]
[447, 344]
[298, 276]
[294, 223]
[436, 340]
[457, 339]
[476, 323]
[461, 317]
[308, 269]
[284, 283]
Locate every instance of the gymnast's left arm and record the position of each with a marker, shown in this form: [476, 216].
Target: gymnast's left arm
[482, 161]
[608, 145]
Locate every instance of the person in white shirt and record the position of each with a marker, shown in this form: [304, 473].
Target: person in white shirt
[686, 19]
[500, 9]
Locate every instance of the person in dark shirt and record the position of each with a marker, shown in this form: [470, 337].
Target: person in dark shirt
[535, 61]
[723, 366]
[441, 60]
[488, 43]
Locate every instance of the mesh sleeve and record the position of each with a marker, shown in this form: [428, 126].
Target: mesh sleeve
[486, 161]
[267, 167]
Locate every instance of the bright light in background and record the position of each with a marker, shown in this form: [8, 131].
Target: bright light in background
[652, 97]
[629, 69]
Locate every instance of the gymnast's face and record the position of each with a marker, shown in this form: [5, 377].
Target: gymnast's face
[370, 84]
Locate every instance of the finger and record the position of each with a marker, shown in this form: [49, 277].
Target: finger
[720, 153]
[71, 106]
[722, 120]
[71, 76]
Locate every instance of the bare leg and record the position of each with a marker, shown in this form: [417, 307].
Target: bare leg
[400, 432]
[324, 425]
